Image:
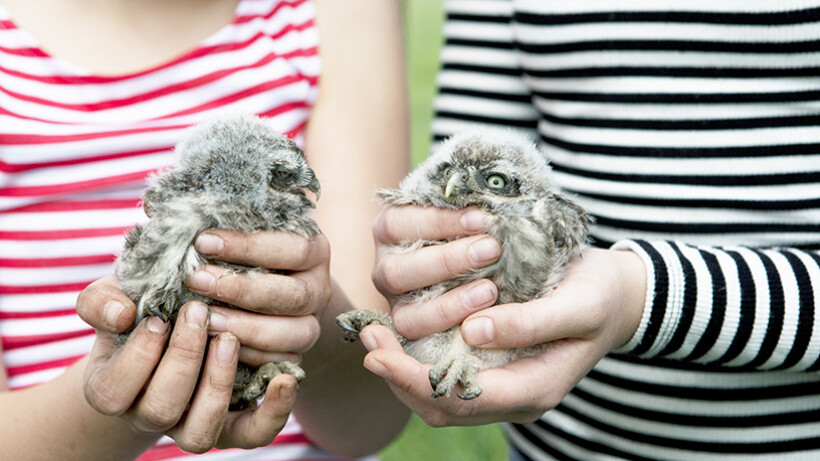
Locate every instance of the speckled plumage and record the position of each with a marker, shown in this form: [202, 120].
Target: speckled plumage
[539, 229]
[234, 173]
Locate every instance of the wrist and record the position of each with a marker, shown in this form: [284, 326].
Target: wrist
[632, 272]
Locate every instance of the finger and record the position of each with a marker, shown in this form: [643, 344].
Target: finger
[400, 272]
[379, 337]
[199, 430]
[116, 376]
[395, 225]
[175, 378]
[270, 249]
[443, 312]
[256, 358]
[103, 306]
[266, 332]
[295, 294]
[256, 428]
[527, 324]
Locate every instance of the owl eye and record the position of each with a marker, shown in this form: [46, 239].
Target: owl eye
[496, 181]
[281, 177]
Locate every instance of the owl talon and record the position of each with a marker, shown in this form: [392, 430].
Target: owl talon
[352, 322]
[153, 310]
[460, 369]
[249, 385]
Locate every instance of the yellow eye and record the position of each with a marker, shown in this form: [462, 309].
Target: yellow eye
[496, 181]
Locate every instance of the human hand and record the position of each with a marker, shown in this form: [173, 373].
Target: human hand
[122, 380]
[395, 273]
[596, 308]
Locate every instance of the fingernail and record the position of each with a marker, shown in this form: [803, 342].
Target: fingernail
[288, 391]
[217, 322]
[479, 296]
[201, 280]
[473, 220]
[111, 313]
[376, 367]
[484, 251]
[156, 325]
[208, 244]
[197, 314]
[226, 349]
[368, 340]
[478, 331]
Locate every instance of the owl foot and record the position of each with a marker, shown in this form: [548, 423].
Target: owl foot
[457, 369]
[251, 384]
[162, 304]
[353, 322]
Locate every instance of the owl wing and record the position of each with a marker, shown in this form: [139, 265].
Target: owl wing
[567, 222]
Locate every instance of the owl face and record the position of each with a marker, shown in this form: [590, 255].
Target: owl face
[236, 158]
[489, 169]
[466, 181]
[288, 171]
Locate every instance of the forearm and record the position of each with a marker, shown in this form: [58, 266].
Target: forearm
[736, 307]
[344, 408]
[53, 421]
[357, 138]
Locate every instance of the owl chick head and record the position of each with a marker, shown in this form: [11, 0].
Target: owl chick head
[239, 157]
[489, 168]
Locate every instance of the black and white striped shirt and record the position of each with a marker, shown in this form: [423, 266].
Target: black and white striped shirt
[690, 129]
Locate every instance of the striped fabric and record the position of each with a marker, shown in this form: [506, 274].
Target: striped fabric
[690, 129]
[75, 149]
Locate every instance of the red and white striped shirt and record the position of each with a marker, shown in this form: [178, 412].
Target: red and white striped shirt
[75, 149]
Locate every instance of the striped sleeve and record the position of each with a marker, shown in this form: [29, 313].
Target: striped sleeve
[736, 307]
[480, 81]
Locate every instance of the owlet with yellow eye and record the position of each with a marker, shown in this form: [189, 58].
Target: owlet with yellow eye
[540, 230]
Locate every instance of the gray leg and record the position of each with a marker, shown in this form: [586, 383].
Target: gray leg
[453, 370]
[352, 323]
[251, 384]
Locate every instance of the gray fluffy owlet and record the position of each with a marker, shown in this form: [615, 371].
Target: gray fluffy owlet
[539, 229]
[234, 173]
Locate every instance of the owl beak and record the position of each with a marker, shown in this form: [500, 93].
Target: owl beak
[455, 183]
[314, 185]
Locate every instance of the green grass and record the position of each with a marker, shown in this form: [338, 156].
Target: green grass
[420, 442]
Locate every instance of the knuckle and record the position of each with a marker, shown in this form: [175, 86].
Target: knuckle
[310, 333]
[301, 250]
[196, 443]
[444, 315]
[105, 399]
[391, 276]
[404, 321]
[184, 352]
[388, 227]
[159, 414]
[302, 298]
[221, 382]
[454, 259]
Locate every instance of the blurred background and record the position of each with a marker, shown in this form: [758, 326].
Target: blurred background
[423, 20]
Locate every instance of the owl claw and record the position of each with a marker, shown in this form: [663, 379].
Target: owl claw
[460, 369]
[250, 385]
[352, 322]
[153, 310]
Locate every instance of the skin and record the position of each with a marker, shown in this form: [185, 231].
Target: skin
[115, 403]
[596, 308]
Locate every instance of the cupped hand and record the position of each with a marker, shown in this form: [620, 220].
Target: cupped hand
[184, 390]
[596, 308]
